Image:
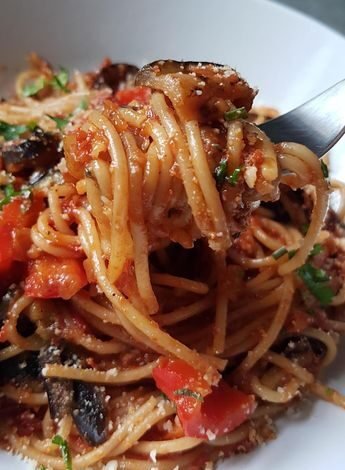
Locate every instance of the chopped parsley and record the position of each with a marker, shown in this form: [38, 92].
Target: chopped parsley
[60, 80]
[324, 169]
[329, 391]
[320, 275]
[14, 131]
[279, 253]
[316, 280]
[10, 193]
[233, 178]
[221, 174]
[316, 250]
[237, 113]
[64, 449]
[186, 392]
[42, 467]
[60, 122]
[32, 88]
[283, 251]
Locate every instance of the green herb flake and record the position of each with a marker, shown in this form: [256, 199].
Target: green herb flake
[221, 171]
[316, 280]
[329, 391]
[233, 178]
[10, 193]
[237, 113]
[42, 467]
[279, 253]
[320, 275]
[60, 122]
[186, 392]
[13, 131]
[292, 253]
[316, 250]
[32, 88]
[60, 80]
[64, 449]
[32, 126]
[324, 169]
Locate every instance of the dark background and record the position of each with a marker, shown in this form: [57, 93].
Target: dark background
[330, 12]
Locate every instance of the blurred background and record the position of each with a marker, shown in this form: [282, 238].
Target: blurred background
[330, 12]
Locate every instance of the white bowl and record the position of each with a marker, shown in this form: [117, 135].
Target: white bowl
[287, 55]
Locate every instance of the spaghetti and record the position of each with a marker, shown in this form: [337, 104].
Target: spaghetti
[170, 279]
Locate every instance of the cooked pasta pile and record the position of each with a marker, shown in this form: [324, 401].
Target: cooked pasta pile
[170, 279]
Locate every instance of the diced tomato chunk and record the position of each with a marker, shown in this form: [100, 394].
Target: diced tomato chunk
[21, 212]
[83, 142]
[80, 147]
[222, 411]
[175, 374]
[204, 412]
[139, 93]
[21, 240]
[14, 275]
[15, 220]
[6, 250]
[51, 277]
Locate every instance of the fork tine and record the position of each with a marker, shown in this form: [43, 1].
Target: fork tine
[317, 124]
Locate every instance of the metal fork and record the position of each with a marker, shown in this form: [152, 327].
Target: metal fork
[318, 123]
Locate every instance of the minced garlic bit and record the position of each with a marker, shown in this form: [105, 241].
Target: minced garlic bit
[250, 176]
[153, 455]
[111, 465]
[210, 435]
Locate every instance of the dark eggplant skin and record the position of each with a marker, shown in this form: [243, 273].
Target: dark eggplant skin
[174, 66]
[84, 401]
[89, 414]
[292, 346]
[59, 391]
[194, 88]
[24, 365]
[113, 75]
[60, 394]
[41, 151]
[19, 368]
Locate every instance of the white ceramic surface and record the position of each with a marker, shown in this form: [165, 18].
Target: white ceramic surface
[287, 55]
